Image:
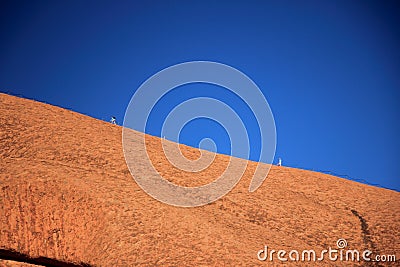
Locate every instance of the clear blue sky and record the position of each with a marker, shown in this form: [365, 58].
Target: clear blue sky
[329, 69]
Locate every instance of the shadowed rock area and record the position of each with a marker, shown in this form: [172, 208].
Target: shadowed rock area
[68, 199]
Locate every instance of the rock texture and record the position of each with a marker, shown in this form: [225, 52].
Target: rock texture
[67, 198]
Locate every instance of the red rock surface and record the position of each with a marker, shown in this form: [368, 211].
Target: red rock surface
[67, 195]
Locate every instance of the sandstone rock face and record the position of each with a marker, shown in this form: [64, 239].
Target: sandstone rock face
[67, 198]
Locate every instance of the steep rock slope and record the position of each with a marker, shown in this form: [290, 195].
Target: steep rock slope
[68, 196]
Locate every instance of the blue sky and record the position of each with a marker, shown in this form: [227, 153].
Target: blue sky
[329, 69]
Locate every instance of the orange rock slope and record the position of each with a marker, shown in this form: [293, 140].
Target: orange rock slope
[68, 199]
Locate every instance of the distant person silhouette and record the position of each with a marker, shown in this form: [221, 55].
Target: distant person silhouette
[279, 162]
[113, 120]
